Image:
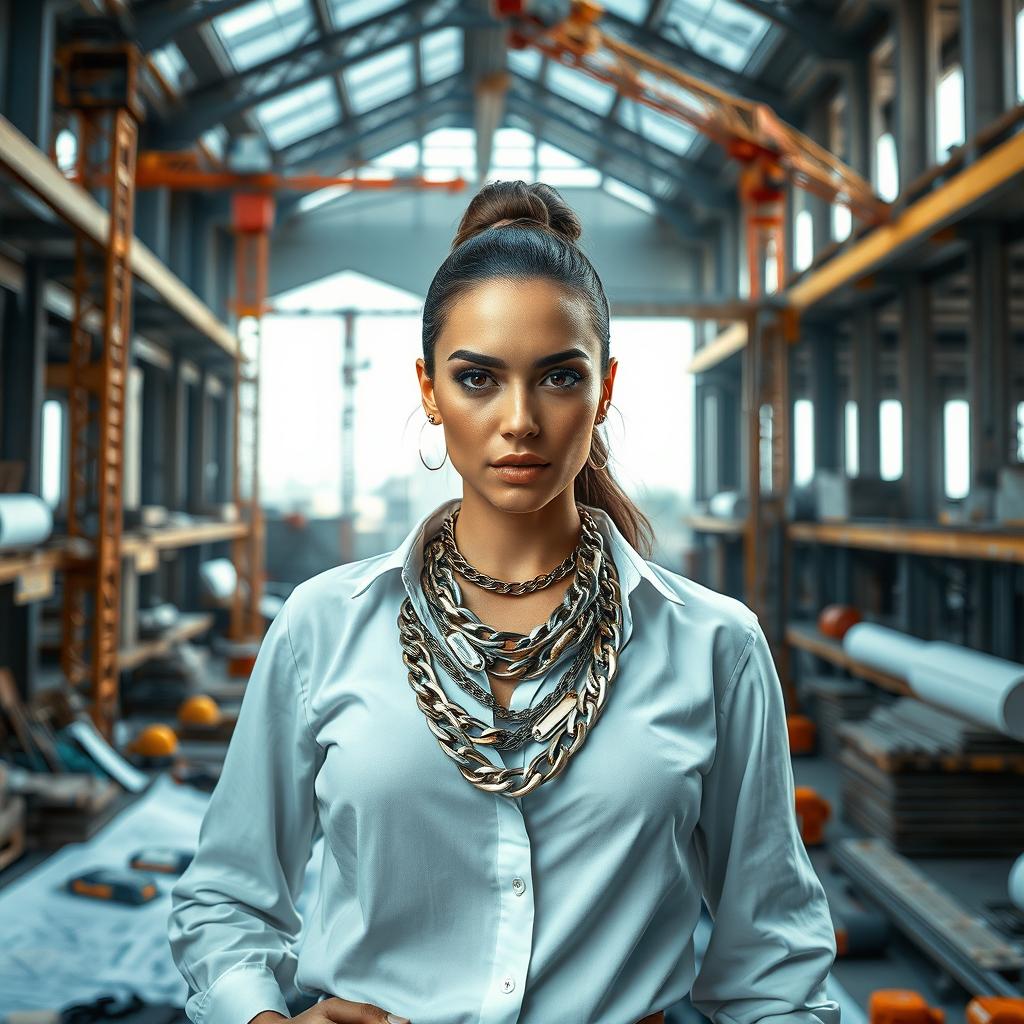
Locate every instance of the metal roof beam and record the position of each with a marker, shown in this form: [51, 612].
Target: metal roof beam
[332, 53]
[615, 138]
[157, 22]
[814, 31]
[683, 57]
[338, 142]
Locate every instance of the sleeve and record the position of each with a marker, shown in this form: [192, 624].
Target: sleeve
[233, 920]
[772, 940]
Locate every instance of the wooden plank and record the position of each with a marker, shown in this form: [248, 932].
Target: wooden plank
[79, 209]
[731, 340]
[14, 567]
[716, 524]
[805, 635]
[188, 626]
[948, 542]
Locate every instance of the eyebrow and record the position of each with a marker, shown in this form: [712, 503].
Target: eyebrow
[500, 364]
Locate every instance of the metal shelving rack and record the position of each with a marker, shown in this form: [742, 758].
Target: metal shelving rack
[99, 563]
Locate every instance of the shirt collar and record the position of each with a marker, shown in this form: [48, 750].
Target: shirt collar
[408, 556]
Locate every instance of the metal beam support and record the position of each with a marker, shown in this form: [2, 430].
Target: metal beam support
[857, 81]
[825, 398]
[915, 105]
[918, 391]
[28, 99]
[866, 353]
[821, 211]
[989, 354]
[986, 48]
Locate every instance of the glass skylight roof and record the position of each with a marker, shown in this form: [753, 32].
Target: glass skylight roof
[525, 62]
[628, 194]
[720, 30]
[173, 66]
[263, 29]
[579, 87]
[299, 113]
[441, 54]
[380, 78]
[352, 12]
[634, 10]
[664, 130]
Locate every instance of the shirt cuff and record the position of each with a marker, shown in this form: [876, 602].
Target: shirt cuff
[239, 994]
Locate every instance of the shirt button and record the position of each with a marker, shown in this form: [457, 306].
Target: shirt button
[518, 886]
[508, 984]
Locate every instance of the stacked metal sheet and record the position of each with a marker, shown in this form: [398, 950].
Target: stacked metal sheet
[836, 701]
[931, 783]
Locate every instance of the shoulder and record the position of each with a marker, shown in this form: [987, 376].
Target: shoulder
[725, 624]
[324, 598]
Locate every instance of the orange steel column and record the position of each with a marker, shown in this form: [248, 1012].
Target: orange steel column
[99, 82]
[252, 219]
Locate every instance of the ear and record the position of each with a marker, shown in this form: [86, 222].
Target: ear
[427, 390]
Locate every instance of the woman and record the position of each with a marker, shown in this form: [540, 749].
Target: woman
[519, 818]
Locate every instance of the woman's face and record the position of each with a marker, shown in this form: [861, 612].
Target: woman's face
[494, 399]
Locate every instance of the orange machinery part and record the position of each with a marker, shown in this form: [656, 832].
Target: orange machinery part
[812, 812]
[995, 1010]
[902, 1006]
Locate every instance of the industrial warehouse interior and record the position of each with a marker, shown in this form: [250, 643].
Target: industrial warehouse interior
[221, 228]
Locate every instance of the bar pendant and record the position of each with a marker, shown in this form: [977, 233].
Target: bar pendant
[467, 654]
[558, 714]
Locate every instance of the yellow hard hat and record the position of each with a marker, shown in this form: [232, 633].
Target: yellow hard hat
[156, 741]
[199, 710]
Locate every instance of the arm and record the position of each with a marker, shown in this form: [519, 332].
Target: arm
[772, 942]
[233, 920]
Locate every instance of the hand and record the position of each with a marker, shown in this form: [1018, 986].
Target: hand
[335, 1011]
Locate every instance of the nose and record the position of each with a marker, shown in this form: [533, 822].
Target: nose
[518, 416]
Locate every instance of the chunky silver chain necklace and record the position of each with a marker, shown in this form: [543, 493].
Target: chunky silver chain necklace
[590, 617]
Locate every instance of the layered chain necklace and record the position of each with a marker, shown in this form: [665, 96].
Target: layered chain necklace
[588, 620]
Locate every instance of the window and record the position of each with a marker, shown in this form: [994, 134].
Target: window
[888, 183]
[850, 439]
[67, 152]
[1020, 431]
[766, 421]
[628, 194]
[949, 112]
[890, 429]
[771, 269]
[803, 240]
[956, 445]
[842, 222]
[803, 440]
[53, 452]
[1019, 23]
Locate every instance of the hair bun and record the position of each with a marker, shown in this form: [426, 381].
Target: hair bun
[506, 202]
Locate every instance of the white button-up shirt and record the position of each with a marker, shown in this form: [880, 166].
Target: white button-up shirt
[573, 904]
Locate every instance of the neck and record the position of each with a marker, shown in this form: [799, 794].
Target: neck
[516, 546]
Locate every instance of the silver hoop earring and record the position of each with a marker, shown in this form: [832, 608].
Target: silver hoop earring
[430, 419]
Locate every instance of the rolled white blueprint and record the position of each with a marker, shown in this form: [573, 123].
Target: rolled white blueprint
[979, 686]
[1015, 883]
[25, 519]
[886, 649]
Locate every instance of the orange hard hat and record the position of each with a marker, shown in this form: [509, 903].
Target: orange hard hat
[199, 710]
[155, 741]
